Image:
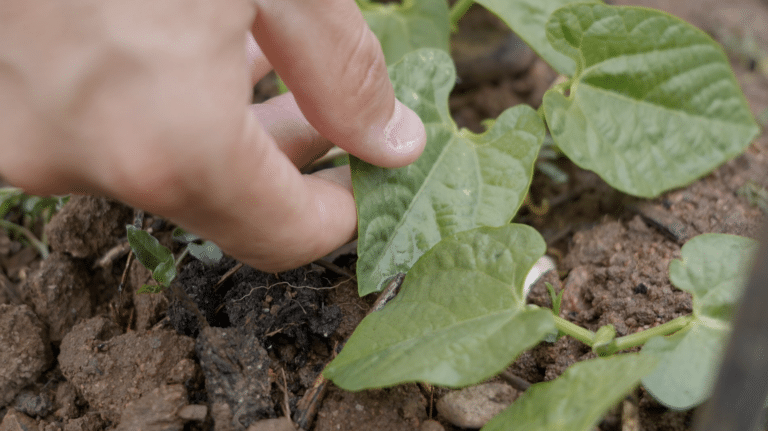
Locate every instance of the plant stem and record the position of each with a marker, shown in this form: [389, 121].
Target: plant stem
[640, 338]
[584, 335]
[39, 245]
[181, 257]
[458, 10]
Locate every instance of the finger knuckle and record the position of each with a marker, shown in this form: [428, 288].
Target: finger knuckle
[366, 72]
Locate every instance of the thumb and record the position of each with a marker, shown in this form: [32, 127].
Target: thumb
[333, 64]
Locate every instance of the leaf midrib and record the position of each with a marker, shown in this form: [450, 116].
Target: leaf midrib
[411, 340]
[416, 196]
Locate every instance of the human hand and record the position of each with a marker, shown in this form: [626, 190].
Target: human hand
[148, 103]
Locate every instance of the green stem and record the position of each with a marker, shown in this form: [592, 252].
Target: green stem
[640, 338]
[39, 245]
[458, 10]
[584, 335]
[183, 254]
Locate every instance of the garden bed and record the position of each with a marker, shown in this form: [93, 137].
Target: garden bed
[106, 357]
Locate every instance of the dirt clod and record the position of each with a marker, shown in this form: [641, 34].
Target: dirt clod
[24, 350]
[17, 421]
[59, 292]
[236, 370]
[66, 401]
[155, 411]
[109, 369]
[276, 424]
[85, 423]
[5, 293]
[87, 226]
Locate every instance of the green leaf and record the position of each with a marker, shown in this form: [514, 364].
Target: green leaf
[459, 318]
[150, 288]
[9, 198]
[406, 27]
[578, 399]
[653, 104]
[528, 19]
[183, 236]
[165, 272]
[154, 256]
[207, 252]
[460, 182]
[713, 268]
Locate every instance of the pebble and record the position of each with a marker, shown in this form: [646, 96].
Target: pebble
[35, 405]
[194, 412]
[431, 425]
[473, 407]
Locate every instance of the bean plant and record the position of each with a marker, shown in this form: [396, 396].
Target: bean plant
[648, 102]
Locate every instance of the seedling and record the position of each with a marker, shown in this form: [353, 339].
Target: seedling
[556, 298]
[159, 260]
[32, 209]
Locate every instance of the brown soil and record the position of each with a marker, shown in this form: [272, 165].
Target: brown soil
[81, 353]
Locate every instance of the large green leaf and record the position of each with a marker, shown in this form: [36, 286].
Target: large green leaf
[528, 19]
[460, 182]
[460, 316]
[576, 400]
[714, 268]
[653, 104]
[406, 27]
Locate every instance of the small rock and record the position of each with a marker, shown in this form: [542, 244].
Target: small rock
[87, 226]
[155, 411]
[278, 424]
[473, 407]
[17, 421]
[431, 425]
[59, 292]
[35, 405]
[194, 412]
[24, 350]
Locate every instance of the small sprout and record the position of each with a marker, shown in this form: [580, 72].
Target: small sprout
[556, 298]
[159, 259]
[153, 255]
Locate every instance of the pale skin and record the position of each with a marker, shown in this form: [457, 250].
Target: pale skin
[149, 103]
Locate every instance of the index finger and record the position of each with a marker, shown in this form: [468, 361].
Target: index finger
[326, 54]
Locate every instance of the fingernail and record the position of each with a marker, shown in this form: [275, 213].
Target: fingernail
[405, 134]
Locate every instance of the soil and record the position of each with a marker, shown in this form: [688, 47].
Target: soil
[83, 351]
